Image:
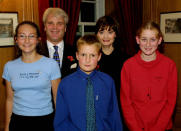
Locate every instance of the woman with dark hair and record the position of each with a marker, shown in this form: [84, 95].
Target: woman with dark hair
[28, 83]
[112, 49]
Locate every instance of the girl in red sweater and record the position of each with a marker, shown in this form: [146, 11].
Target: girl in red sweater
[148, 84]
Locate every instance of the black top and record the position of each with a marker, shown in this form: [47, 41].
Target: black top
[112, 64]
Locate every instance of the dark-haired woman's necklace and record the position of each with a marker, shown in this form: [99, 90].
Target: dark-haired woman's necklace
[108, 51]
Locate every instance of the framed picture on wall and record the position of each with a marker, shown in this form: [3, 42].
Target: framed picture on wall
[170, 24]
[8, 23]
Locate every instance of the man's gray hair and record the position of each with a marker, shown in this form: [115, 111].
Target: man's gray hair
[55, 12]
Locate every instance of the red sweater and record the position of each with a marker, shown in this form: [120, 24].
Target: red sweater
[148, 93]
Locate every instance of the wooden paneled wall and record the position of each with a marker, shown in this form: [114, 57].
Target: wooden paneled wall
[27, 10]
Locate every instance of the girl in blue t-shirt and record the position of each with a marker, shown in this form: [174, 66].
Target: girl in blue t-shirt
[30, 78]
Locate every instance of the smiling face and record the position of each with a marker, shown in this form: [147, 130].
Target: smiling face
[88, 57]
[55, 28]
[148, 42]
[27, 38]
[106, 36]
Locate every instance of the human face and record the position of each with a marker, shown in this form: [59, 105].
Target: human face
[148, 42]
[27, 38]
[55, 28]
[88, 57]
[106, 36]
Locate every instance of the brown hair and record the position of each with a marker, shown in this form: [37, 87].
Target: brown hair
[89, 40]
[33, 25]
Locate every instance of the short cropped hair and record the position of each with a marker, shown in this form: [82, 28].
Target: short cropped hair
[89, 40]
[55, 12]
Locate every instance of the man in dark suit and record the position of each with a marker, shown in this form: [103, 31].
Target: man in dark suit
[55, 24]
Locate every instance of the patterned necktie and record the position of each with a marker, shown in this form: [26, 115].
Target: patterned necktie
[56, 55]
[90, 109]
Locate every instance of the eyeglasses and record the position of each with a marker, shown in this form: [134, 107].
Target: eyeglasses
[30, 37]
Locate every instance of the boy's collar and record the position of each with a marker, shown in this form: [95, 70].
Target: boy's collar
[83, 74]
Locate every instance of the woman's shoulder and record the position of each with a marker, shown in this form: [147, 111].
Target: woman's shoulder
[47, 59]
[15, 61]
[12, 64]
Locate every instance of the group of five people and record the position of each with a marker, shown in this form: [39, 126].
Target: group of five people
[73, 93]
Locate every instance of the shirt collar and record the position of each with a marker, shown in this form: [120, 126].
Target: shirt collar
[60, 44]
[84, 75]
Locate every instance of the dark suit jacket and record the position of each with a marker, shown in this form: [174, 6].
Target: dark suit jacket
[68, 58]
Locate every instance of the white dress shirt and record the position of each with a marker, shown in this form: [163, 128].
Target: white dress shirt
[51, 50]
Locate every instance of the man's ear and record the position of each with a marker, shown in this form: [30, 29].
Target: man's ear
[44, 28]
[65, 28]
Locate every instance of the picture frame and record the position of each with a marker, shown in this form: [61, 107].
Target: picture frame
[170, 25]
[8, 23]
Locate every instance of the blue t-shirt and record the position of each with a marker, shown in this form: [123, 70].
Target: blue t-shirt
[31, 83]
[70, 112]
